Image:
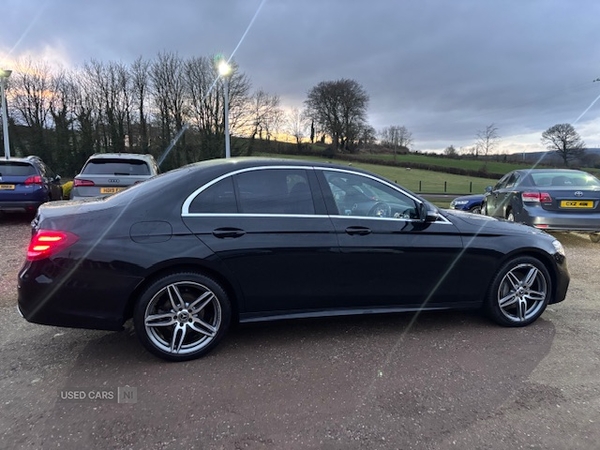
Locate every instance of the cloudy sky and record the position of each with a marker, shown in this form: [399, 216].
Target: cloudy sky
[444, 69]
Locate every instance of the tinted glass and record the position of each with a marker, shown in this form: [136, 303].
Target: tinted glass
[512, 180]
[16, 169]
[566, 179]
[218, 198]
[274, 191]
[116, 167]
[357, 195]
[502, 183]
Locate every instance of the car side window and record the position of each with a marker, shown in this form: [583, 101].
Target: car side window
[274, 191]
[218, 198]
[501, 184]
[512, 181]
[358, 195]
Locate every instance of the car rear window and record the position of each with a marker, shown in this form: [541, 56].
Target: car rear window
[565, 179]
[16, 169]
[116, 167]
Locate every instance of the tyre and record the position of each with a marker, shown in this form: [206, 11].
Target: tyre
[182, 316]
[510, 216]
[519, 292]
[595, 237]
[475, 209]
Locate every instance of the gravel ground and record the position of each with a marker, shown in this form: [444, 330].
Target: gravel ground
[14, 236]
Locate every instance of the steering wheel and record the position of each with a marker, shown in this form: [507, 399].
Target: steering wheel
[380, 209]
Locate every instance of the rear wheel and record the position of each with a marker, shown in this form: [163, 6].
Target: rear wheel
[519, 292]
[182, 316]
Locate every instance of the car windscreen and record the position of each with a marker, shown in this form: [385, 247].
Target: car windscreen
[16, 169]
[106, 166]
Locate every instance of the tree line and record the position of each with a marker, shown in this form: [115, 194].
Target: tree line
[148, 106]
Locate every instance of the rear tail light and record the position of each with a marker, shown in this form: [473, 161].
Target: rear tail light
[46, 243]
[35, 179]
[539, 197]
[78, 183]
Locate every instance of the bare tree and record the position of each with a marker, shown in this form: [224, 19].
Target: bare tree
[340, 107]
[63, 111]
[367, 137]
[264, 114]
[564, 140]
[31, 84]
[168, 83]
[140, 81]
[487, 140]
[296, 125]
[205, 97]
[450, 151]
[396, 137]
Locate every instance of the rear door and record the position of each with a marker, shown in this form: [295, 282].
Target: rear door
[269, 226]
[499, 198]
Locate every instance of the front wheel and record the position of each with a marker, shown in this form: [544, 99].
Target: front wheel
[595, 237]
[476, 209]
[510, 216]
[519, 292]
[182, 316]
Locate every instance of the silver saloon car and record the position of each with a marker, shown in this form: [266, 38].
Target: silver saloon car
[109, 173]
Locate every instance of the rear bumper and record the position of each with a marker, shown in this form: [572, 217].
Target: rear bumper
[29, 206]
[552, 221]
[51, 295]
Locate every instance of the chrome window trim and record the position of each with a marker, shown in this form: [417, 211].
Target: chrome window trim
[185, 208]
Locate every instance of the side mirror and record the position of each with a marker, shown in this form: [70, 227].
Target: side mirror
[426, 214]
[489, 189]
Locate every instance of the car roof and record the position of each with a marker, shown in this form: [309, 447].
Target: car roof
[141, 156]
[25, 159]
[246, 162]
[550, 170]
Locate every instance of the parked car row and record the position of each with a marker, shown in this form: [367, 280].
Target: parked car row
[548, 199]
[26, 183]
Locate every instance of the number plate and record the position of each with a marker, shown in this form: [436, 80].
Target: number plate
[576, 204]
[110, 190]
[7, 186]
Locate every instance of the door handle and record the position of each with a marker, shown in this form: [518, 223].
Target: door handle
[228, 233]
[360, 231]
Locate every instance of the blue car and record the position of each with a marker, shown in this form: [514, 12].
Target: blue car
[26, 183]
[471, 203]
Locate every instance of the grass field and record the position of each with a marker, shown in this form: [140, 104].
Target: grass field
[418, 181]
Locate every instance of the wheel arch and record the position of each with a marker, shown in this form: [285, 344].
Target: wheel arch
[184, 266]
[543, 257]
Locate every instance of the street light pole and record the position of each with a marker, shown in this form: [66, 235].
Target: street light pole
[4, 74]
[225, 71]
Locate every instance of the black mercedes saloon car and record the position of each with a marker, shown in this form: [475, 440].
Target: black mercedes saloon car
[188, 252]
